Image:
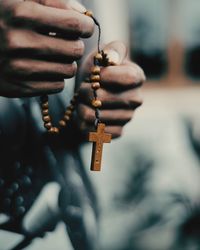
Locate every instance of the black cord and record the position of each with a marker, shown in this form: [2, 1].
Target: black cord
[99, 33]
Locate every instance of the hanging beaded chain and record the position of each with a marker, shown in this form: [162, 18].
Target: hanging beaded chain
[100, 59]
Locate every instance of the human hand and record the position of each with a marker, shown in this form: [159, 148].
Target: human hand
[32, 62]
[119, 92]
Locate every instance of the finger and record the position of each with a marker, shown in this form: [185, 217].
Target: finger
[138, 69]
[116, 131]
[52, 19]
[109, 117]
[62, 4]
[129, 99]
[76, 6]
[41, 88]
[116, 52]
[33, 70]
[20, 89]
[124, 76]
[29, 44]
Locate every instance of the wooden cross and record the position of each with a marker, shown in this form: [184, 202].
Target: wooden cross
[98, 138]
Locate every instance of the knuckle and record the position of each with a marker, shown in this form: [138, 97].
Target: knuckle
[141, 101]
[135, 103]
[76, 24]
[78, 49]
[45, 88]
[58, 87]
[87, 116]
[71, 71]
[23, 10]
[27, 92]
[138, 74]
[143, 76]
[129, 118]
[12, 40]
[103, 95]
[9, 39]
[26, 89]
[131, 75]
[18, 10]
[90, 29]
[87, 27]
[117, 132]
[16, 65]
[2, 26]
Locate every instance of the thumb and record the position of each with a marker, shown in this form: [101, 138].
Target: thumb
[62, 4]
[116, 52]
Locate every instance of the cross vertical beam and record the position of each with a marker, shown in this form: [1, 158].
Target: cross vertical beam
[98, 138]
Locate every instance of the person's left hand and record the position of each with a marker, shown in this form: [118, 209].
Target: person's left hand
[119, 92]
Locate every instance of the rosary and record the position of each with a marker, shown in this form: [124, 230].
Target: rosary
[99, 137]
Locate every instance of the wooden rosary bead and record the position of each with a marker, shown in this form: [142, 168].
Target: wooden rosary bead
[96, 103]
[46, 118]
[111, 63]
[68, 112]
[73, 101]
[89, 13]
[54, 130]
[96, 70]
[71, 107]
[45, 105]
[48, 125]
[96, 85]
[45, 112]
[95, 78]
[99, 57]
[62, 123]
[66, 118]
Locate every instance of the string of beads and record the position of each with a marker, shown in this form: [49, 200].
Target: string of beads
[100, 59]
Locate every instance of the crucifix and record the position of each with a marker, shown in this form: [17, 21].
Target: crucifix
[98, 138]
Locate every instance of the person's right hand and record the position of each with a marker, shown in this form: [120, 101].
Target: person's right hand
[32, 61]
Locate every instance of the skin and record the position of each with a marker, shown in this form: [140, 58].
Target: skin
[119, 93]
[32, 63]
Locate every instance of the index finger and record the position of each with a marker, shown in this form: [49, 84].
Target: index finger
[52, 19]
[122, 77]
[62, 4]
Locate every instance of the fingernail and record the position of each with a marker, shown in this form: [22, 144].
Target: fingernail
[77, 6]
[113, 56]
